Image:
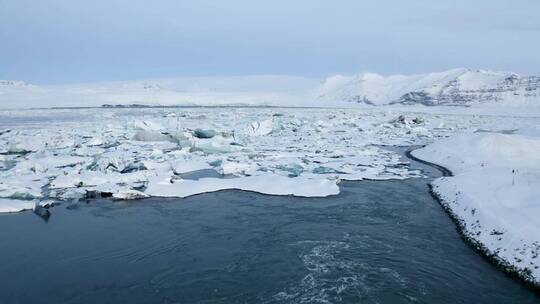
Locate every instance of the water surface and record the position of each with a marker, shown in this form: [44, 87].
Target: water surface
[376, 242]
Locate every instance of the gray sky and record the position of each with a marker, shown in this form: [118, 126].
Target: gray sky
[67, 41]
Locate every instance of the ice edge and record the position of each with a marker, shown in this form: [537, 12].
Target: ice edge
[515, 272]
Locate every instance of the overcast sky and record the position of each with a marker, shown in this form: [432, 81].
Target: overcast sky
[69, 41]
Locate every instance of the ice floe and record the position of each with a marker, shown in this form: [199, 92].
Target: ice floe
[11, 205]
[135, 153]
[167, 186]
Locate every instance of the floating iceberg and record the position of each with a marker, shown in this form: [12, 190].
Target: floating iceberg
[11, 205]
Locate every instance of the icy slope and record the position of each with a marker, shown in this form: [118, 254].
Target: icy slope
[453, 87]
[494, 194]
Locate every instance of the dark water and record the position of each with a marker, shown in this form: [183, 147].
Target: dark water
[376, 242]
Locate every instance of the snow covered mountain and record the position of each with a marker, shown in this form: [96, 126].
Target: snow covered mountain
[463, 87]
[457, 87]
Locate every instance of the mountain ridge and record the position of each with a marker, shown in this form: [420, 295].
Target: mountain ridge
[456, 87]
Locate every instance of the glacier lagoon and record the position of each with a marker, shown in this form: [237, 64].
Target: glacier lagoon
[386, 240]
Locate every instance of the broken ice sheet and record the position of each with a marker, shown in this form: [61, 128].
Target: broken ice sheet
[25, 187]
[164, 186]
[124, 154]
[12, 205]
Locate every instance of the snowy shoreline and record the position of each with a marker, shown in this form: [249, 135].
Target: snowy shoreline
[484, 251]
[471, 241]
[493, 224]
[444, 171]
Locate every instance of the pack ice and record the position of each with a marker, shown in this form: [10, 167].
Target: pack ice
[133, 154]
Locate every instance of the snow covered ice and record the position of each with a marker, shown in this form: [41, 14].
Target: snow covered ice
[139, 153]
[303, 152]
[10, 205]
[125, 154]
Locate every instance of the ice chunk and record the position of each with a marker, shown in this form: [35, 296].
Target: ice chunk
[25, 143]
[119, 160]
[24, 187]
[95, 141]
[262, 128]
[75, 185]
[237, 168]
[147, 125]
[200, 133]
[150, 135]
[129, 195]
[47, 162]
[11, 205]
[293, 170]
[215, 146]
[324, 170]
[273, 184]
[184, 166]
[69, 194]
[42, 212]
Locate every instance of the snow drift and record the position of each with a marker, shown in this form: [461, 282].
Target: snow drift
[494, 194]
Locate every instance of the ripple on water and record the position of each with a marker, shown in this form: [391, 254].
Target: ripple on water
[335, 276]
[376, 242]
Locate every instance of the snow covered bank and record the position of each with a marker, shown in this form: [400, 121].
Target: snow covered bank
[494, 194]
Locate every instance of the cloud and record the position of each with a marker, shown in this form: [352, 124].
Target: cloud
[484, 18]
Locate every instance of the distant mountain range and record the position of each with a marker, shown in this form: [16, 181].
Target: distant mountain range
[12, 83]
[457, 87]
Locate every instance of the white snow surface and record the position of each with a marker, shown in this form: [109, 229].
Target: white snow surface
[10, 205]
[273, 184]
[494, 193]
